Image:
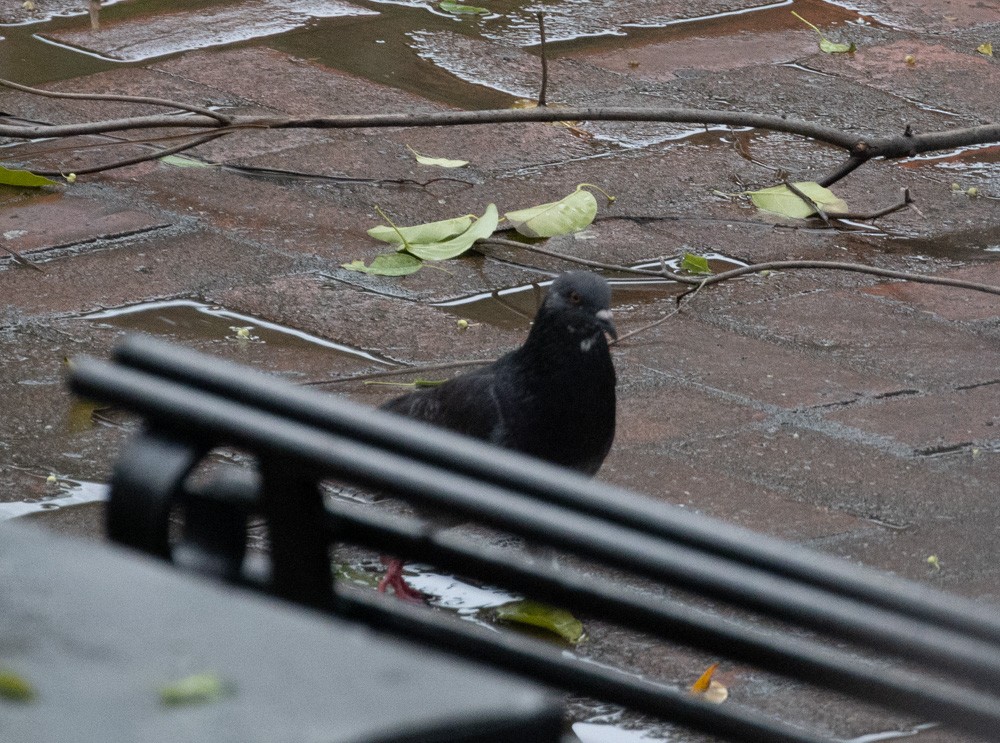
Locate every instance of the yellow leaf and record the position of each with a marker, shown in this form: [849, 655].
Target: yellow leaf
[440, 162]
[701, 685]
[708, 688]
[986, 49]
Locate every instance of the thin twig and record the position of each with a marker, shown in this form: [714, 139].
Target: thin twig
[545, 61]
[808, 201]
[585, 262]
[663, 319]
[221, 118]
[21, 259]
[851, 164]
[400, 372]
[142, 158]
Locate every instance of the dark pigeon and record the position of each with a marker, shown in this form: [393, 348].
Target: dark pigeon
[552, 398]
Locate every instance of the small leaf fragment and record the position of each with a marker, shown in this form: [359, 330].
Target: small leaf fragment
[537, 614]
[430, 232]
[934, 562]
[708, 688]
[440, 162]
[697, 264]
[179, 161]
[23, 178]
[458, 9]
[482, 228]
[570, 214]
[833, 47]
[781, 200]
[986, 49]
[387, 264]
[200, 688]
[15, 687]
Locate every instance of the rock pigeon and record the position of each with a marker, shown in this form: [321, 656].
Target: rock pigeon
[552, 398]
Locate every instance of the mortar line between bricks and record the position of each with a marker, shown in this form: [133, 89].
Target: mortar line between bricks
[809, 419]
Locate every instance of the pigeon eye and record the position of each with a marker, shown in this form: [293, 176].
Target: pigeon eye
[574, 297]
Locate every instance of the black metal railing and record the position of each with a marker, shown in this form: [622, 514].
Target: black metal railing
[192, 404]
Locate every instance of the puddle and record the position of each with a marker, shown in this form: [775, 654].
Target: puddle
[145, 37]
[515, 307]
[66, 493]
[190, 320]
[593, 732]
[892, 734]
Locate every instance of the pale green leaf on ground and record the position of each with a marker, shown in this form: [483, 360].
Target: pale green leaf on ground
[387, 264]
[570, 214]
[23, 178]
[697, 264]
[781, 200]
[454, 247]
[200, 688]
[440, 162]
[15, 687]
[536, 614]
[179, 161]
[833, 47]
[345, 572]
[825, 45]
[431, 232]
[452, 7]
[986, 49]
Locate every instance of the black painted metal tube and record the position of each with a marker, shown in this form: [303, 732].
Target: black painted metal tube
[556, 485]
[782, 654]
[543, 663]
[268, 435]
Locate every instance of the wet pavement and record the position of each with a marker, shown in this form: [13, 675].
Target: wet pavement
[853, 415]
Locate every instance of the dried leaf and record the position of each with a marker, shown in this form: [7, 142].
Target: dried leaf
[536, 614]
[387, 264]
[15, 687]
[23, 178]
[697, 264]
[570, 214]
[781, 200]
[454, 247]
[430, 232]
[200, 688]
[708, 688]
[438, 161]
[833, 47]
[457, 8]
[179, 161]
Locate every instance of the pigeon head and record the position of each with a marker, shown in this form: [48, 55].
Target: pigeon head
[582, 301]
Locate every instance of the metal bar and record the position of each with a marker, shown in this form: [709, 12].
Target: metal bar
[971, 660]
[671, 621]
[543, 663]
[555, 485]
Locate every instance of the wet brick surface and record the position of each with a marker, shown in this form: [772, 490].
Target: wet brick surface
[853, 415]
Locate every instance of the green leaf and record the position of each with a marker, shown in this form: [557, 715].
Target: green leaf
[15, 687]
[832, 47]
[570, 214]
[438, 161]
[23, 178]
[201, 688]
[781, 200]
[431, 232]
[387, 264]
[441, 251]
[697, 264]
[452, 7]
[541, 615]
[179, 161]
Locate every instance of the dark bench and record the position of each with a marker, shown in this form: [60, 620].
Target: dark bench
[946, 649]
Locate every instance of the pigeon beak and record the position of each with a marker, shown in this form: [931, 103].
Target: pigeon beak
[604, 320]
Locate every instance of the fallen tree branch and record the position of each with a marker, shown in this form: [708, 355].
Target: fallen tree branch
[221, 118]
